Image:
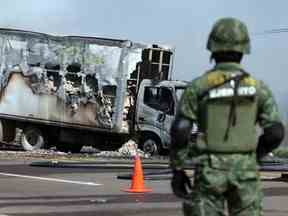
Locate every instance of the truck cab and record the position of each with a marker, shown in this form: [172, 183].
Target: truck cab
[155, 110]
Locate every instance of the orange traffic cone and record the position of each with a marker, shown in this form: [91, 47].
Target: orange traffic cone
[137, 185]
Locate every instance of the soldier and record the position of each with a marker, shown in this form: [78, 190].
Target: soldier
[226, 103]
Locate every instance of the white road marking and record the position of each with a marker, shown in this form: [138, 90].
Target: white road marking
[50, 179]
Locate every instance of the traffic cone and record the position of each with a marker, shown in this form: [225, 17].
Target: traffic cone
[137, 185]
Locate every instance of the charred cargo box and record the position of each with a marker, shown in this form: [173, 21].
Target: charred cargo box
[64, 89]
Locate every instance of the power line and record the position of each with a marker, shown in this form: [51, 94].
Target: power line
[273, 31]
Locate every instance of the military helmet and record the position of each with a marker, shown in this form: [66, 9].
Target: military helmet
[229, 34]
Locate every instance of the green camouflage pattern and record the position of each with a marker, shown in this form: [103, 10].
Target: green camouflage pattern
[221, 177]
[190, 107]
[229, 34]
[226, 177]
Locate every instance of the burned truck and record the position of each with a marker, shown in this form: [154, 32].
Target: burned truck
[70, 91]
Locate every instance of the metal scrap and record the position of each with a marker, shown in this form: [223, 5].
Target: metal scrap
[127, 150]
[74, 71]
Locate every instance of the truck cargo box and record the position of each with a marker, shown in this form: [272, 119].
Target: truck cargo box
[73, 81]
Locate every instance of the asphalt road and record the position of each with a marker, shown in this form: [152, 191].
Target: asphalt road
[40, 191]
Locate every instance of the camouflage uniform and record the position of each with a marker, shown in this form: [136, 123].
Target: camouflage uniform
[219, 176]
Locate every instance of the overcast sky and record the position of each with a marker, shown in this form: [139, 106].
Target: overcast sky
[183, 23]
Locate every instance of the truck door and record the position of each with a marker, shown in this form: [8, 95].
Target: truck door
[156, 110]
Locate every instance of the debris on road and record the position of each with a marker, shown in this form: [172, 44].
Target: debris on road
[128, 149]
[39, 154]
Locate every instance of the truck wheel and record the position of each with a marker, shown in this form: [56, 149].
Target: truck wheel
[32, 139]
[151, 144]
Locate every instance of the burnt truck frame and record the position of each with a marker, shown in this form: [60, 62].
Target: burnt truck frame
[67, 91]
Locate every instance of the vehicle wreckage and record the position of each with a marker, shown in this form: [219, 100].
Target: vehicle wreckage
[70, 91]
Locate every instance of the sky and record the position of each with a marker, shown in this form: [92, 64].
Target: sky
[183, 23]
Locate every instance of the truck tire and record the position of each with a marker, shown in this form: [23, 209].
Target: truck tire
[151, 144]
[32, 139]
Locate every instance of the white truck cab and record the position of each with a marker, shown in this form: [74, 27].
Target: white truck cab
[155, 111]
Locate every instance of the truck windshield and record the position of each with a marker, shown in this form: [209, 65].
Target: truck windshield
[179, 91]
[159, 98]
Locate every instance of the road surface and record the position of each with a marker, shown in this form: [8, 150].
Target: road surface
[41, 191]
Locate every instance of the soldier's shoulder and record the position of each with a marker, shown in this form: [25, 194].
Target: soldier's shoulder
[263, 90]
[200, 80]
[196, 84]
[214, 78]
[260, 84]
[254, 81]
